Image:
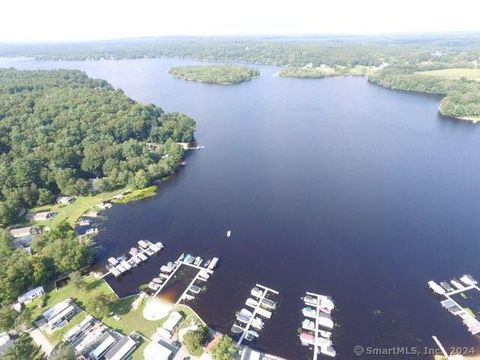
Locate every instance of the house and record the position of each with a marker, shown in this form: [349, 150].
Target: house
[6, 342]
[40, 216]
[25, 231]
[31, 294]
[157, 351]
[65, 200]
[105, 344]
[173, 320]
[59, 315]
[124, 347]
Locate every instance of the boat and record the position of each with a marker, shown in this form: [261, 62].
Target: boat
[328, 350]
[143, 244]
[447, 286]
[229, 233]
[181, 257]
[165, 276]
[257, 323]
[198, 261]
[121, 268]
[243, 318]
[250, 335]
[195, 289]
[131, 262]
[126, 265]
[246, 312]
[264, 313]
[268, 304]
[136, 260]
[308, 325]
[309, 312]
[112, 261]
[236, 329]
[325, 334]
[167, 268]
[257, 292]
[133, 251]
[91, 231]
[203, 275]
[468, 280]
[251, 302]
[183, 163]
[154, 248]
[142, 256]
[457, 284]
[153, 286]
[149, 252]
[159, 244]
[84, 223]
[114, 271]
[307, 339]
[188, 297]
[325, 322]
[157, 280]
[213, 263]
[206, 263]
[437, 289]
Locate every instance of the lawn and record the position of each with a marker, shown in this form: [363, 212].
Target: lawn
[138, 353]
[57, 335]
[457, 73]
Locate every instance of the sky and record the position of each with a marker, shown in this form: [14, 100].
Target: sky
[82, 20]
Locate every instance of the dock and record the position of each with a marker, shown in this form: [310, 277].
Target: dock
[320, 316]
[204, 272]
[258, 310]
[465, 284]
[118, 266]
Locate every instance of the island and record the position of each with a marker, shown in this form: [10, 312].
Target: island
[215, 74]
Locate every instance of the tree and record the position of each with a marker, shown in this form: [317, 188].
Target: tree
[63, 352]
[7, 318]
[23, 348]
[77, 280]
[100, 305]
[194, 340]
[225, 349]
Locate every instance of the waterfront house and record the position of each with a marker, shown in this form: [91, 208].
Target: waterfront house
[122, 349]
[173, 320]
[59, 314]
[30, 295]
[158, 351]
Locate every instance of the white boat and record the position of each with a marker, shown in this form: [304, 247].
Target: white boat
[114, 271]
[133, 251]
[229, 233]
[84, 223]
[268, 304]
[159, 244]
[246, 312]
[203, 275]
[136, 260]
[257, 323]
[121, 268]
[325, 334]
[91, 231]
[457, 284]
[157, 280]
[325, 322]
[132, 262]
[143, 244]
[154, 248]
[153, 286]
[328, 350]
[112, 261]
[257, 292]
[149, 252]
[165, 276]
[250, 335]
[195, 289]
[251, 302]
[142, 256]
[188, 297]
[213, 263]
[198, 261]
[308, 325]
[468, 280]
[264, 313]
[125, 264]
[437, 289]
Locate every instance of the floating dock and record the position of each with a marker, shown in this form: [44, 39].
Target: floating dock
[258, 303]
[445, 291]
[318, 320]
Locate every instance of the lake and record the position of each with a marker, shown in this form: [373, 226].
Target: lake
[335, 186]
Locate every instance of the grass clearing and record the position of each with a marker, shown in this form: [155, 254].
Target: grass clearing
[456, 73]
[137, 195]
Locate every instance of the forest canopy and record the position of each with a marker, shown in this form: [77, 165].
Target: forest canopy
[215, 74]
[60, 128]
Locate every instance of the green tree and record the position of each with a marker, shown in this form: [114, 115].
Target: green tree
[101, 305]
[63, 352]
[23, 348]
[194, 340]
[226, 349]
[77, 280]
[7, 318]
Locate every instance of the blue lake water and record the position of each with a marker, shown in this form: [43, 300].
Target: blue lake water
[335, 186]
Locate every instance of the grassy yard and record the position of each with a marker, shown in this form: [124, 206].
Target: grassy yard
[138, 353]
[137, 195]
[473, 74]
